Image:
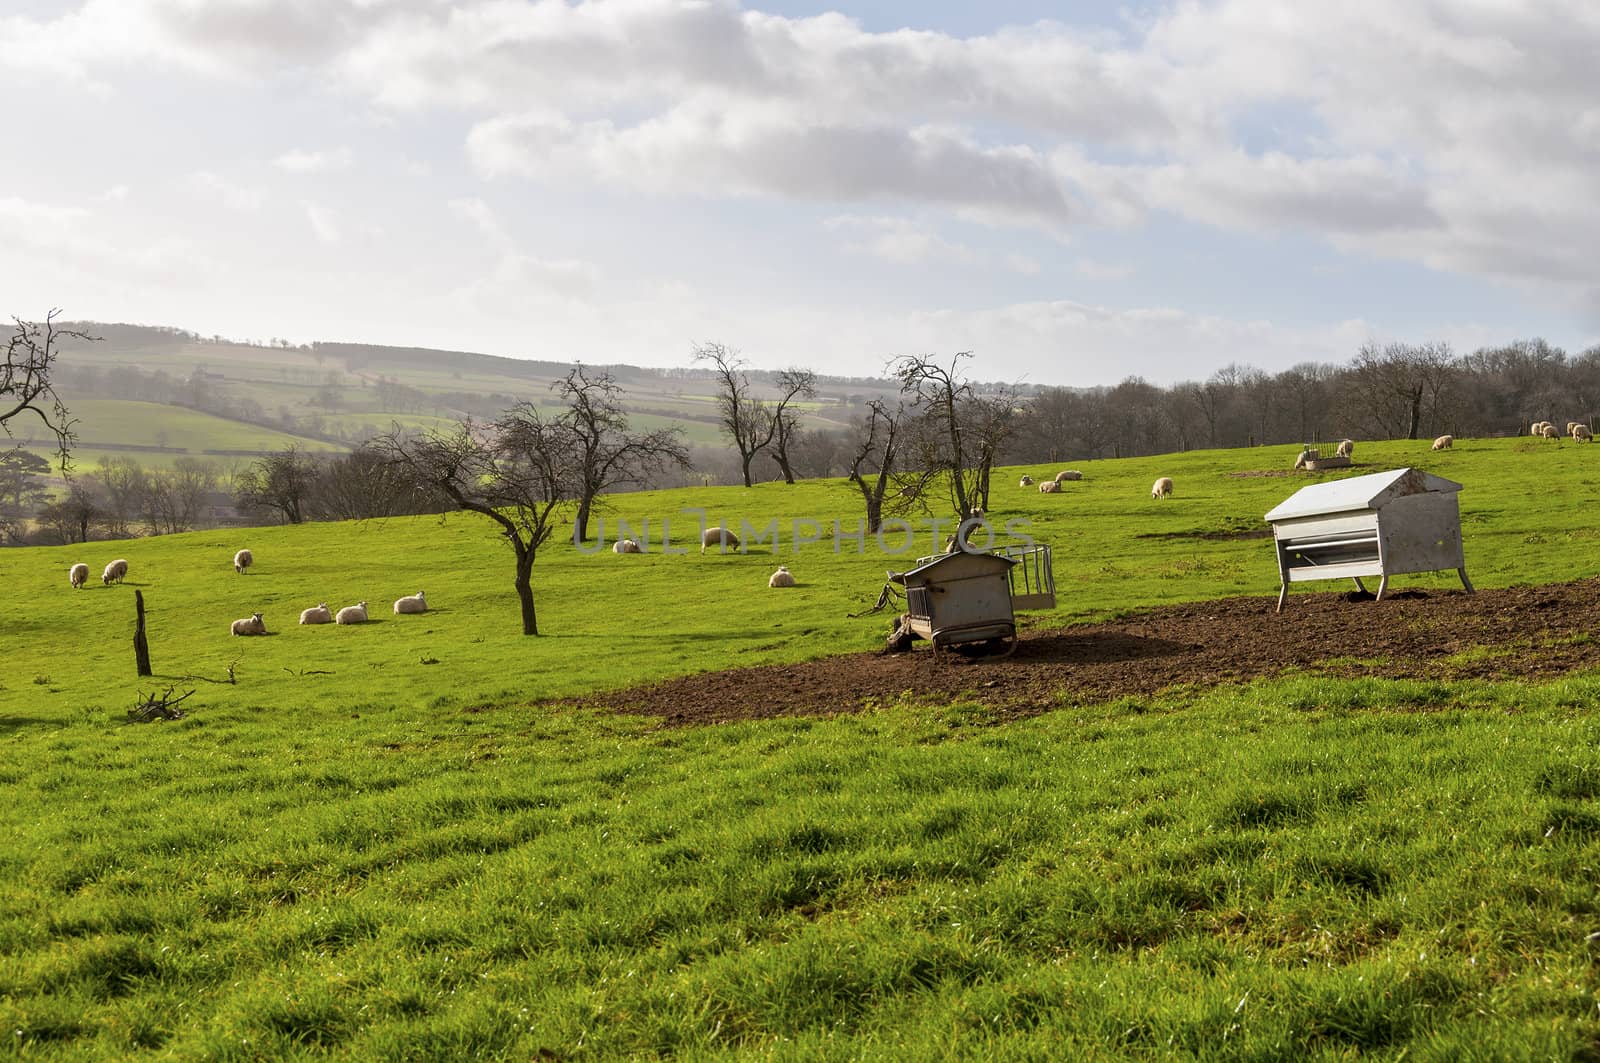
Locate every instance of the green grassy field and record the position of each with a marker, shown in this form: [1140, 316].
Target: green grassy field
[372, 844]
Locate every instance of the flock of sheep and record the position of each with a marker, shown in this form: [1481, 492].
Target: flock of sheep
[253, 624]
[1162, 488]
[1576, 429]
[721, 538]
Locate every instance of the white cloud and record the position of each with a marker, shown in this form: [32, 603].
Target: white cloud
[1103, 271]
[231, 195]
[325, 224]
[301, 161]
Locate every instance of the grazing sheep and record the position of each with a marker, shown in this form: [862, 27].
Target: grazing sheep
[415, 603]
[114, 571]
[1581, 433]
[1068, 474]
[1026, 481]
[1444, 442]
[1571, 425]
[1538, 428]
[781, 578]
[78, 574]
[1301, 459]
[243, 560]
[626, 546]
[719, 537]
[352, 614]
[1550, 432]
[317, 614]
[1161, 488]
[251, 625]
[1346, 448]
[1049, 487]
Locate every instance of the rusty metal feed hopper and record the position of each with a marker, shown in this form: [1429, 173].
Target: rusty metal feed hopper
[1405, 520]
[970, 597]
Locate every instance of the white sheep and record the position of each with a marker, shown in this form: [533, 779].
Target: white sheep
[1538, 428]
[719, 537]
[114, 571]
[243, 560]
[1068, 474]
[78, 574]
[1571, 425]
[1161, 488]
[1302, 458]
[1581, 433]
[415, 603]
[781, 578]
[1444, 442]
[1026, 481]
[626, 546]
[352, 614]
[1550, 432]
[1049, 487]
[250, 625]
[1346, 448]
[317, 614]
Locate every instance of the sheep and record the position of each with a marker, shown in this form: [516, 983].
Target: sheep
[114, 571]
[781, 578]
[251, 625]
[1444, 442]
[626, 546]
[1570, 426]
[1161, 488]
[1538, 428]
[243, 560]
[1068, 474]
[1345, 449]
[1049, 487]
[79, 575]
[1026, 481]
[317, 614]
[1550, 432]
[352, 614]
[1301, 459]
[416, 603]
[1581, 434]
[719, 537]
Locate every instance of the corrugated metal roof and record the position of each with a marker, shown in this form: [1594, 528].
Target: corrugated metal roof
[1359, 493]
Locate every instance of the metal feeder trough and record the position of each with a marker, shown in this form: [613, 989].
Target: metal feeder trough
[1405, 520]
[968, 598]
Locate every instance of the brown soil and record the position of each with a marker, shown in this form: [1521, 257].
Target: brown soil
[1529, 632]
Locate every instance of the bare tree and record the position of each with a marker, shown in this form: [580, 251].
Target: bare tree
[607, 454]
[1400, 387]
[875, 464]
[123, 483]
[962, 432]
[363, 484]
[745, 420]
[794, 383]
[73, 517]
[516, 472]
[26, 383]
[280, 483]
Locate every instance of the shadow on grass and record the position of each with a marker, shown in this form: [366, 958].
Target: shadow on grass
[13, 724]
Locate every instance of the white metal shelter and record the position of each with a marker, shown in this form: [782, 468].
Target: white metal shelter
[1404, 520]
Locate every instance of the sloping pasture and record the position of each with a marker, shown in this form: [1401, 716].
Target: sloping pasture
[372, 842]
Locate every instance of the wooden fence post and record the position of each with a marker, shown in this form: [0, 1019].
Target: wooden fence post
[141, 649]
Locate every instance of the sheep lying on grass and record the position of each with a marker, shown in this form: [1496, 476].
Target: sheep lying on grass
[719, 537]
[251, 625]
[781, 578]
[243, 560]
[1444, 442]
[352, 614]
[78, 574]
[1068, 474]
[1049, 487]
[1161, 488]
[317, 614]
[1026, 481]
[114, 571]
[414, 603]
[626, 546]
[1346, 448]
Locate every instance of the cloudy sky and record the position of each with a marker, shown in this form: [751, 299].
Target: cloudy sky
[1077, 192]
